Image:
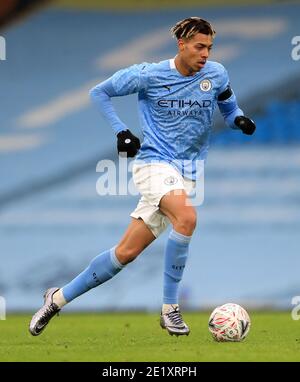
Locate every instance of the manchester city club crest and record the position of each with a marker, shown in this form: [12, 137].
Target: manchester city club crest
[205, 85]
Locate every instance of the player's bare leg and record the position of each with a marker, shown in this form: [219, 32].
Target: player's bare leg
[177, 207]
[136, 238]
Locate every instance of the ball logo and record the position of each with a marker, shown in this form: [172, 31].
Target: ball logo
[205, 85]
[171, 180]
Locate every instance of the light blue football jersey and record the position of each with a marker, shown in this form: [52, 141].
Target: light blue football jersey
[175, 111]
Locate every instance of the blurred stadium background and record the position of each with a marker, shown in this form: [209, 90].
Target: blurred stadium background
[52, 222]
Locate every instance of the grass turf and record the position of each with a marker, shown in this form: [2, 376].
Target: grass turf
[274, 336]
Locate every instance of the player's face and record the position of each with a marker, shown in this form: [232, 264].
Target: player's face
[194, 52]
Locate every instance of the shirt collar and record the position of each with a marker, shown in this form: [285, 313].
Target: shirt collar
[172, 63]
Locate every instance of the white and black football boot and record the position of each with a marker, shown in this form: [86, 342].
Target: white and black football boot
[173, 322]
[44, 314]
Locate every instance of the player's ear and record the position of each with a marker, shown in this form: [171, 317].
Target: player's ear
[180, 44]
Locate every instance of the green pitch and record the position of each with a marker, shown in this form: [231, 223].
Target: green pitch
[274, 336]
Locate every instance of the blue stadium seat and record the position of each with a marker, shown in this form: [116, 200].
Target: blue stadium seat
[278, 125]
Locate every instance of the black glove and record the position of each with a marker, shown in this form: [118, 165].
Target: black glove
[128, 143]
[245, 124]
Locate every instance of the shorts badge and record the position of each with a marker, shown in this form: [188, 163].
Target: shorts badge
[171, 180]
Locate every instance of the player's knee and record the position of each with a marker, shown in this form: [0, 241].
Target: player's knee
[126, 255]
[186, 223]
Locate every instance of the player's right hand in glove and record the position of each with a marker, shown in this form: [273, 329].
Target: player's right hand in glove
[128, 144]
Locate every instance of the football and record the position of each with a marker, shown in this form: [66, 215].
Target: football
[229, 322]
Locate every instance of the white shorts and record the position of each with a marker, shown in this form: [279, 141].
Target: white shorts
[153, 181]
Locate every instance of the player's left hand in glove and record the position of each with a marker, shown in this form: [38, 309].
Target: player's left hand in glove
[245, 124]
[128, 144]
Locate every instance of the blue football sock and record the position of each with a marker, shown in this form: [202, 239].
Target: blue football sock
[175, 258]
[102, 268]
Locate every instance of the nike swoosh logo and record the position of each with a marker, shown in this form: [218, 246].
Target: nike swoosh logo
[39, 328]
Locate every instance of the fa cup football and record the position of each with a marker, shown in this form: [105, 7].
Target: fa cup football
[229, 322]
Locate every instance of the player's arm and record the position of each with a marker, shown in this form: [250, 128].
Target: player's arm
[233, 115]
[124, 82]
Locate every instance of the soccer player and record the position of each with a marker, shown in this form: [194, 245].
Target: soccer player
[176, 98]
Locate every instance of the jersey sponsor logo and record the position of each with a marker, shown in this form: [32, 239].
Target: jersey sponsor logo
[187, 113]
[181, 103]
[205, 85]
